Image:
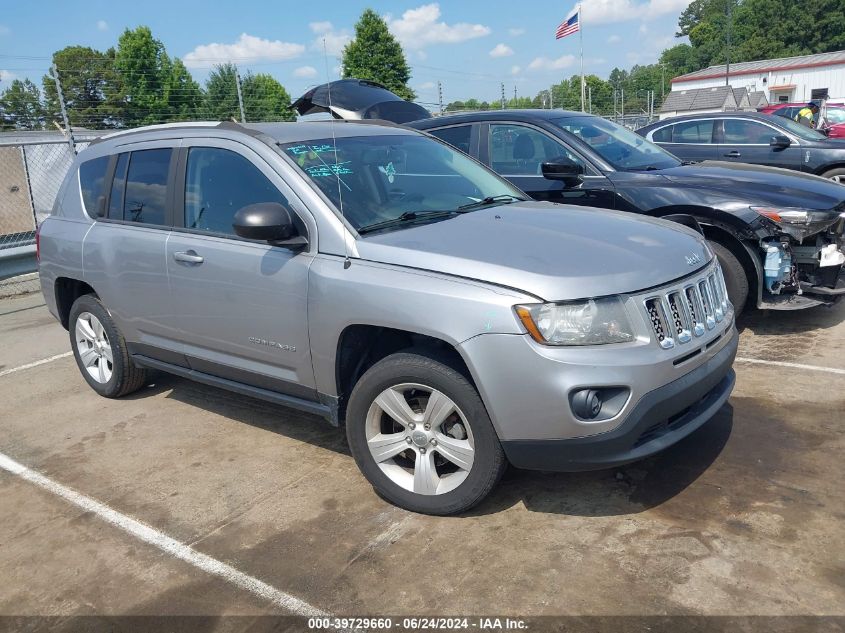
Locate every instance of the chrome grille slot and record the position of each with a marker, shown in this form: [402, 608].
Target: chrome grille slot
[659, 322]
[696, 311]
[707, 304]
[680, 317]
[715, 294]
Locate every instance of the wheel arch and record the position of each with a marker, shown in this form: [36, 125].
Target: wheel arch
[67, 290]
[360, 346]
[829, 167]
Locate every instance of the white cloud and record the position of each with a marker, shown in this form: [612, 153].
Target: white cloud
[516, 32]
[610, 11]
[305, 71]
[418, 28]
[544, 63]
[614, 39]
[102, 25]
[7, 76]
[515, 70]
[336, 41]
[320, 27]
[247, 48]
[501, 50]
[428, 85]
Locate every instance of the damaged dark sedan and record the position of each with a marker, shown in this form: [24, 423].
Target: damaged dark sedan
[778, 233]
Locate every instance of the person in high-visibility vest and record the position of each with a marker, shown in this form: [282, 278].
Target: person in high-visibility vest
[807, 115]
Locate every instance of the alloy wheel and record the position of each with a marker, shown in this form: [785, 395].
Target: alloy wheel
[420, 439]
[92, 344]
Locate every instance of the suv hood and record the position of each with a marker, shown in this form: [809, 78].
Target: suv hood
[551, 251]
[759, 184]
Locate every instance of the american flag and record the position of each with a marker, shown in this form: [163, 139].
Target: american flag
[570, 25]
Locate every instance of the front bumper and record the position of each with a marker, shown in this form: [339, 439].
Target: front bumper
[660, 418]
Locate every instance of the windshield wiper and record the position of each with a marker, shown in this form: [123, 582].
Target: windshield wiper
[504, 197]
[405, 218]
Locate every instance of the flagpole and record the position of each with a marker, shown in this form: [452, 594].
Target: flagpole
[581, 40]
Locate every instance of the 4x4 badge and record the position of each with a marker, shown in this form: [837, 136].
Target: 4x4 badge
[693, 259]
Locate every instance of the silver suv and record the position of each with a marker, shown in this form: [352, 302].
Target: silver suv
[377, 277]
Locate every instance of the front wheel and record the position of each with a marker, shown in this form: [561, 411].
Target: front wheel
[736, 279]
[420, 434]
[836, 175]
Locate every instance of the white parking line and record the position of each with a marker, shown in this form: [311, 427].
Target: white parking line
[163, 542]
[36, 363]
[778, 363]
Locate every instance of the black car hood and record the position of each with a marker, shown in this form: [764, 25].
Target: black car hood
[759, 184]
[359, 99]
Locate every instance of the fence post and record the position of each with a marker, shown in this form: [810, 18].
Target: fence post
[29, 185]
[55, 72]
[240, 96]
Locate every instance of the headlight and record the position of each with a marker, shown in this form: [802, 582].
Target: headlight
[799, 223]
[589, 322]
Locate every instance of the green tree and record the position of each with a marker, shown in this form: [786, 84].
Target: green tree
[184, 96]
[20, 106]
[376, 55]
[265, 99]
[145, 72]
[221, 93]
[87, 77]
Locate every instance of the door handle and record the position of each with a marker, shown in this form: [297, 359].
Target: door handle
[733, 154]
[189, 257]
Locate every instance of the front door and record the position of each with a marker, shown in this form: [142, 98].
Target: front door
[241, 304]
[747, 141]
[517, 152]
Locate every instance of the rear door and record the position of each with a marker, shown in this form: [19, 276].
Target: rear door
[517, 152]
[241, 304]
[688, 140]
[124, 252]
[748, 141]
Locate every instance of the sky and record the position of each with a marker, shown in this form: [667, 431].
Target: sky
[471, 46]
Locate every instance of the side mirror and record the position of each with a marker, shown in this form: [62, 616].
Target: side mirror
[566, 171]
[266, 221]
[780, 141]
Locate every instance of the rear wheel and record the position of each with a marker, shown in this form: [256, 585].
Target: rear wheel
[100, 350]
[421, 436]
[837, 175]
[736, 279]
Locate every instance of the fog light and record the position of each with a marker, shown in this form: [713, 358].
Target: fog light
[586, 404]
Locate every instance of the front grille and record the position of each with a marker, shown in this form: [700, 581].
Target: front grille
[683, 312]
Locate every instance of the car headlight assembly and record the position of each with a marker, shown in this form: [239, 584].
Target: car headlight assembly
[588, 322]
[799, 223]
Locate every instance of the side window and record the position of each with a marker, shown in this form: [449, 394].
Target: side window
[700, 132]
[458, 136]
[92, 182]
[516, 150]
[218, 183]
[745, 132]
[663, 135]
[118, 188]
[146, 186]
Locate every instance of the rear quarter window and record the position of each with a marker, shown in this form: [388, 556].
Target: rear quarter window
[663, 135]
[92, 183]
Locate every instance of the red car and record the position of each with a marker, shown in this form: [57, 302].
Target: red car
[835, 115]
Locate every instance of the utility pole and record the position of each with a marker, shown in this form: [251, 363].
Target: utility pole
[590, 98]
[514, 96]
[440, 96]
[622, 91]
[662, 81]
[240, 96]
[728, 56]
[551, 98]
[503, 96]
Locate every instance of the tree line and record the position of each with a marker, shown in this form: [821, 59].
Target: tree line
[137, 83]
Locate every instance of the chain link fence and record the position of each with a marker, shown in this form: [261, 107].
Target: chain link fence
[32, 167]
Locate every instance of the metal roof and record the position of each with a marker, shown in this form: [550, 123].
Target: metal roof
[699, 99]
[766, 65]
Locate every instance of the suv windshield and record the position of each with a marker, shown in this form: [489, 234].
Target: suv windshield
[799, 130]
[618, 145]
[386, 180]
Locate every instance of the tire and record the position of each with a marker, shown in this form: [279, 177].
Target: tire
[835, 174]
[736, 279]
[94, 337]
[428, 388]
